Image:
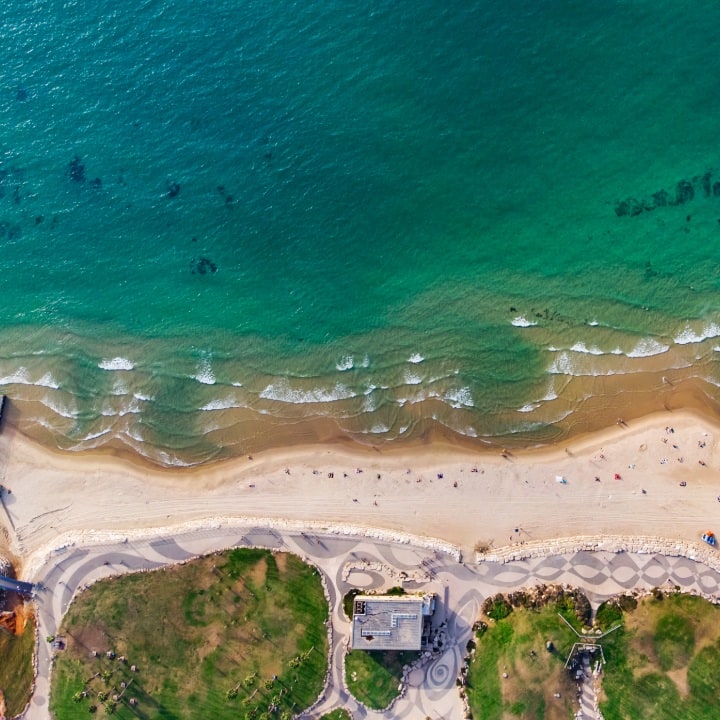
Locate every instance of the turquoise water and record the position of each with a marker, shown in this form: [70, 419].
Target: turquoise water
[370, 220]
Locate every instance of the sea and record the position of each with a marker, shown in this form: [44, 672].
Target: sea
[233, 226]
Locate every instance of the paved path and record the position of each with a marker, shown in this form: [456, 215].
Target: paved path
[361, 562]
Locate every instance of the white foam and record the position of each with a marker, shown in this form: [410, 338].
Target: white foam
[529, 407]
[19, 377]
[47, 380]
[379, 429]
[562, 365]
[134, 433]
[345, 363]
[369, 403]
[461, 397]
[222, 404]
[412, 378]
[522, 321]
[593, 323]
[64, 410]
[283, 392]
[119, 387]
[22, 377]
[415, 358]
[581, 347]
[647, 347]
[130, 408]
[96, 435]
[688, 335]
[205, 374]
[116, 363]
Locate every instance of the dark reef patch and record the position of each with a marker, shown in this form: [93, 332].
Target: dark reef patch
[76, 170]
[10, 231]
[685, 191]
[202, 266]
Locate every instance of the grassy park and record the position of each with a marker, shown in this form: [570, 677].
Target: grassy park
[667, 664]
[373, 677]
[240, 634]
[16, 668]
[661, 662]
[514, 644]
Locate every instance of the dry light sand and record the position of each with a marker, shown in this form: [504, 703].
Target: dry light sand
[445, 492]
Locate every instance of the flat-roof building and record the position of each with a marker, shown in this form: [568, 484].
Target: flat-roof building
[390, 622]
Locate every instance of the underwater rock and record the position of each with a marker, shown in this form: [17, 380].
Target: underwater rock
[16, 195]
[707, 183]
[38, 219]
[630, 207]
[684, 192]
[76, 170]
[10, 232]
[21, 94]
[229, 199]
[173, 190]
[716, 189]
[202, 266]
[661, 198]
[96, 183]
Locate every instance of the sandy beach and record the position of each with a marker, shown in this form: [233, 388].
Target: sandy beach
[652, 476]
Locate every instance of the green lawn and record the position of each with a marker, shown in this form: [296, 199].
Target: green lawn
[515, 645]
[240, 634]
[16, 668]
[373, 677]
[337, 715]
[668, 665]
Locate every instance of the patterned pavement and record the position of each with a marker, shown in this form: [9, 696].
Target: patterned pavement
[347, 562]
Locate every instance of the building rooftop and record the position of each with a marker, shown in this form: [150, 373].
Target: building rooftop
[389, 622]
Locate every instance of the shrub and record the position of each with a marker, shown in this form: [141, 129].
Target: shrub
[348, 601]
[497, 607]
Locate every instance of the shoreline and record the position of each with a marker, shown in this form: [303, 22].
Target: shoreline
[435, 491]
[572, 406]
[594, 404]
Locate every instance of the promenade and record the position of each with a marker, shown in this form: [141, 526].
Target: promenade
[347, 561]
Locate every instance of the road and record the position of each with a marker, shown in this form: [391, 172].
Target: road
[349, 561]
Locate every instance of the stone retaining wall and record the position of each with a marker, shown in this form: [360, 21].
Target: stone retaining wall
[640, 544]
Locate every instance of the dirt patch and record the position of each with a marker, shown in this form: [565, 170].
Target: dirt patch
[89, 638]
[258, 573]
[281, 559]
[679, 678]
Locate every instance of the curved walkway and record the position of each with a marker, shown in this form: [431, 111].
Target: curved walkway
[346, 562]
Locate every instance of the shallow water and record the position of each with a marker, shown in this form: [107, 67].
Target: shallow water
[353, 220]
